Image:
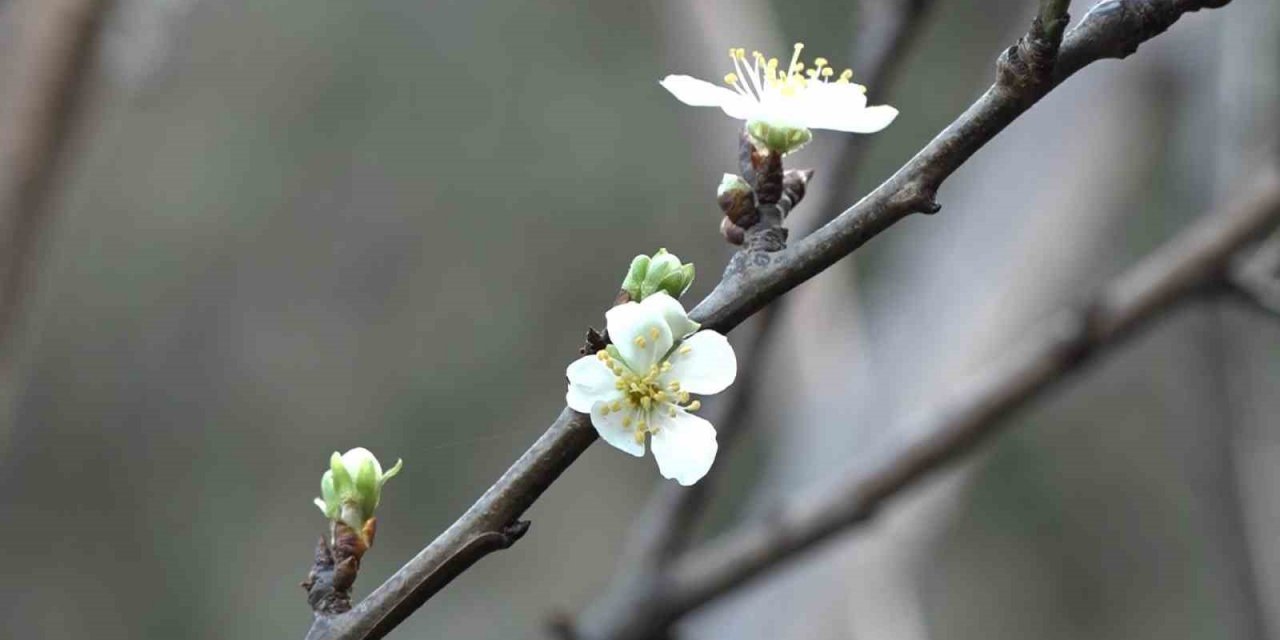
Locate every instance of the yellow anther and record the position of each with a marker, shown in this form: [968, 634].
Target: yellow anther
[821, 62]
[639, 436]
[645, 401]
[846, 74]
[674, 386]
[604, 411]
[659, 396]
[666, 366]
[671, 411]
[797, 66]
[639, 341]
[654, 333]
[686, 350]
[798, 46]
[683, 397]
[626, 422]
[694, 406]
[731, 79]
[827, 72]
[733, 53]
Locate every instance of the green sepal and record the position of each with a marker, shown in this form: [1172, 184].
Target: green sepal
[368, 489]
[343, 485]
[780, 139]
[635, 276]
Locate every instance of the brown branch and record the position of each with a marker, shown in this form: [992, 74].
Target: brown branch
[57, 42]
[1197, 258]
[754, 279]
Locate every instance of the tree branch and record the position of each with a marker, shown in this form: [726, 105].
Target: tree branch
[756, 278]
[1196, 258]
[58, 39]
[1257, 278]
[665, 527]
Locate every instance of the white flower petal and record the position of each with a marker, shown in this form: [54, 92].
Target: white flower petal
[611, 429]
[640, 333]
[699, 93]
[684, 446]
[838, 97]
[673, 312]
[357, 457]
[589, 380]
[709, 366]
[868, 120]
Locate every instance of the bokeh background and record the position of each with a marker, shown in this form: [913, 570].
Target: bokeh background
[294, 226]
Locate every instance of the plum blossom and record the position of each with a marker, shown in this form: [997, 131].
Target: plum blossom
[639, 388]
[780, 106]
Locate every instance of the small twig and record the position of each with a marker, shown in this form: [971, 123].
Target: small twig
[58, 40]
[1183, 267]
[754, 280]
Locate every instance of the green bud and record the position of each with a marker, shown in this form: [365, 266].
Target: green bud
[778, 138]
[678, 281]
[352, 487]
[635, 276]
[661, 266]
[661, 272]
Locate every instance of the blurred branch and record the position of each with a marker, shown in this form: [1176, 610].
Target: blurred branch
[57, 41]
[757, 276]
[1180, 269]
[631, 607]
[1257, 278]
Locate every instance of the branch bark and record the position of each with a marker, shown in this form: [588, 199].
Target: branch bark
[1198, 258]
[1113, 29]
[57, 40]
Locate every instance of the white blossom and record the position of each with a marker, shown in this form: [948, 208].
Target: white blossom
[639, 389]
[785, 102]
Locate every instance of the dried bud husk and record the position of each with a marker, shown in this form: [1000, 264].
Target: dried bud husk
[737, 200]
[732, 232]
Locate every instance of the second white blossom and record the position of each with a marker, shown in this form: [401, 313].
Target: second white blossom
[640, 387]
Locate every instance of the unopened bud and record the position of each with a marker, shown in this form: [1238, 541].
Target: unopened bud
[352, 487]
[661, 272]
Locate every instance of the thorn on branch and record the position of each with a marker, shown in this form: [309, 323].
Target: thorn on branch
[512, 533]
[918, 197]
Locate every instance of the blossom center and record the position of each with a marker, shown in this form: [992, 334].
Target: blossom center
[644, 394]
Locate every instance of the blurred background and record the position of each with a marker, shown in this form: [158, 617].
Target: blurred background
[288, 227]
